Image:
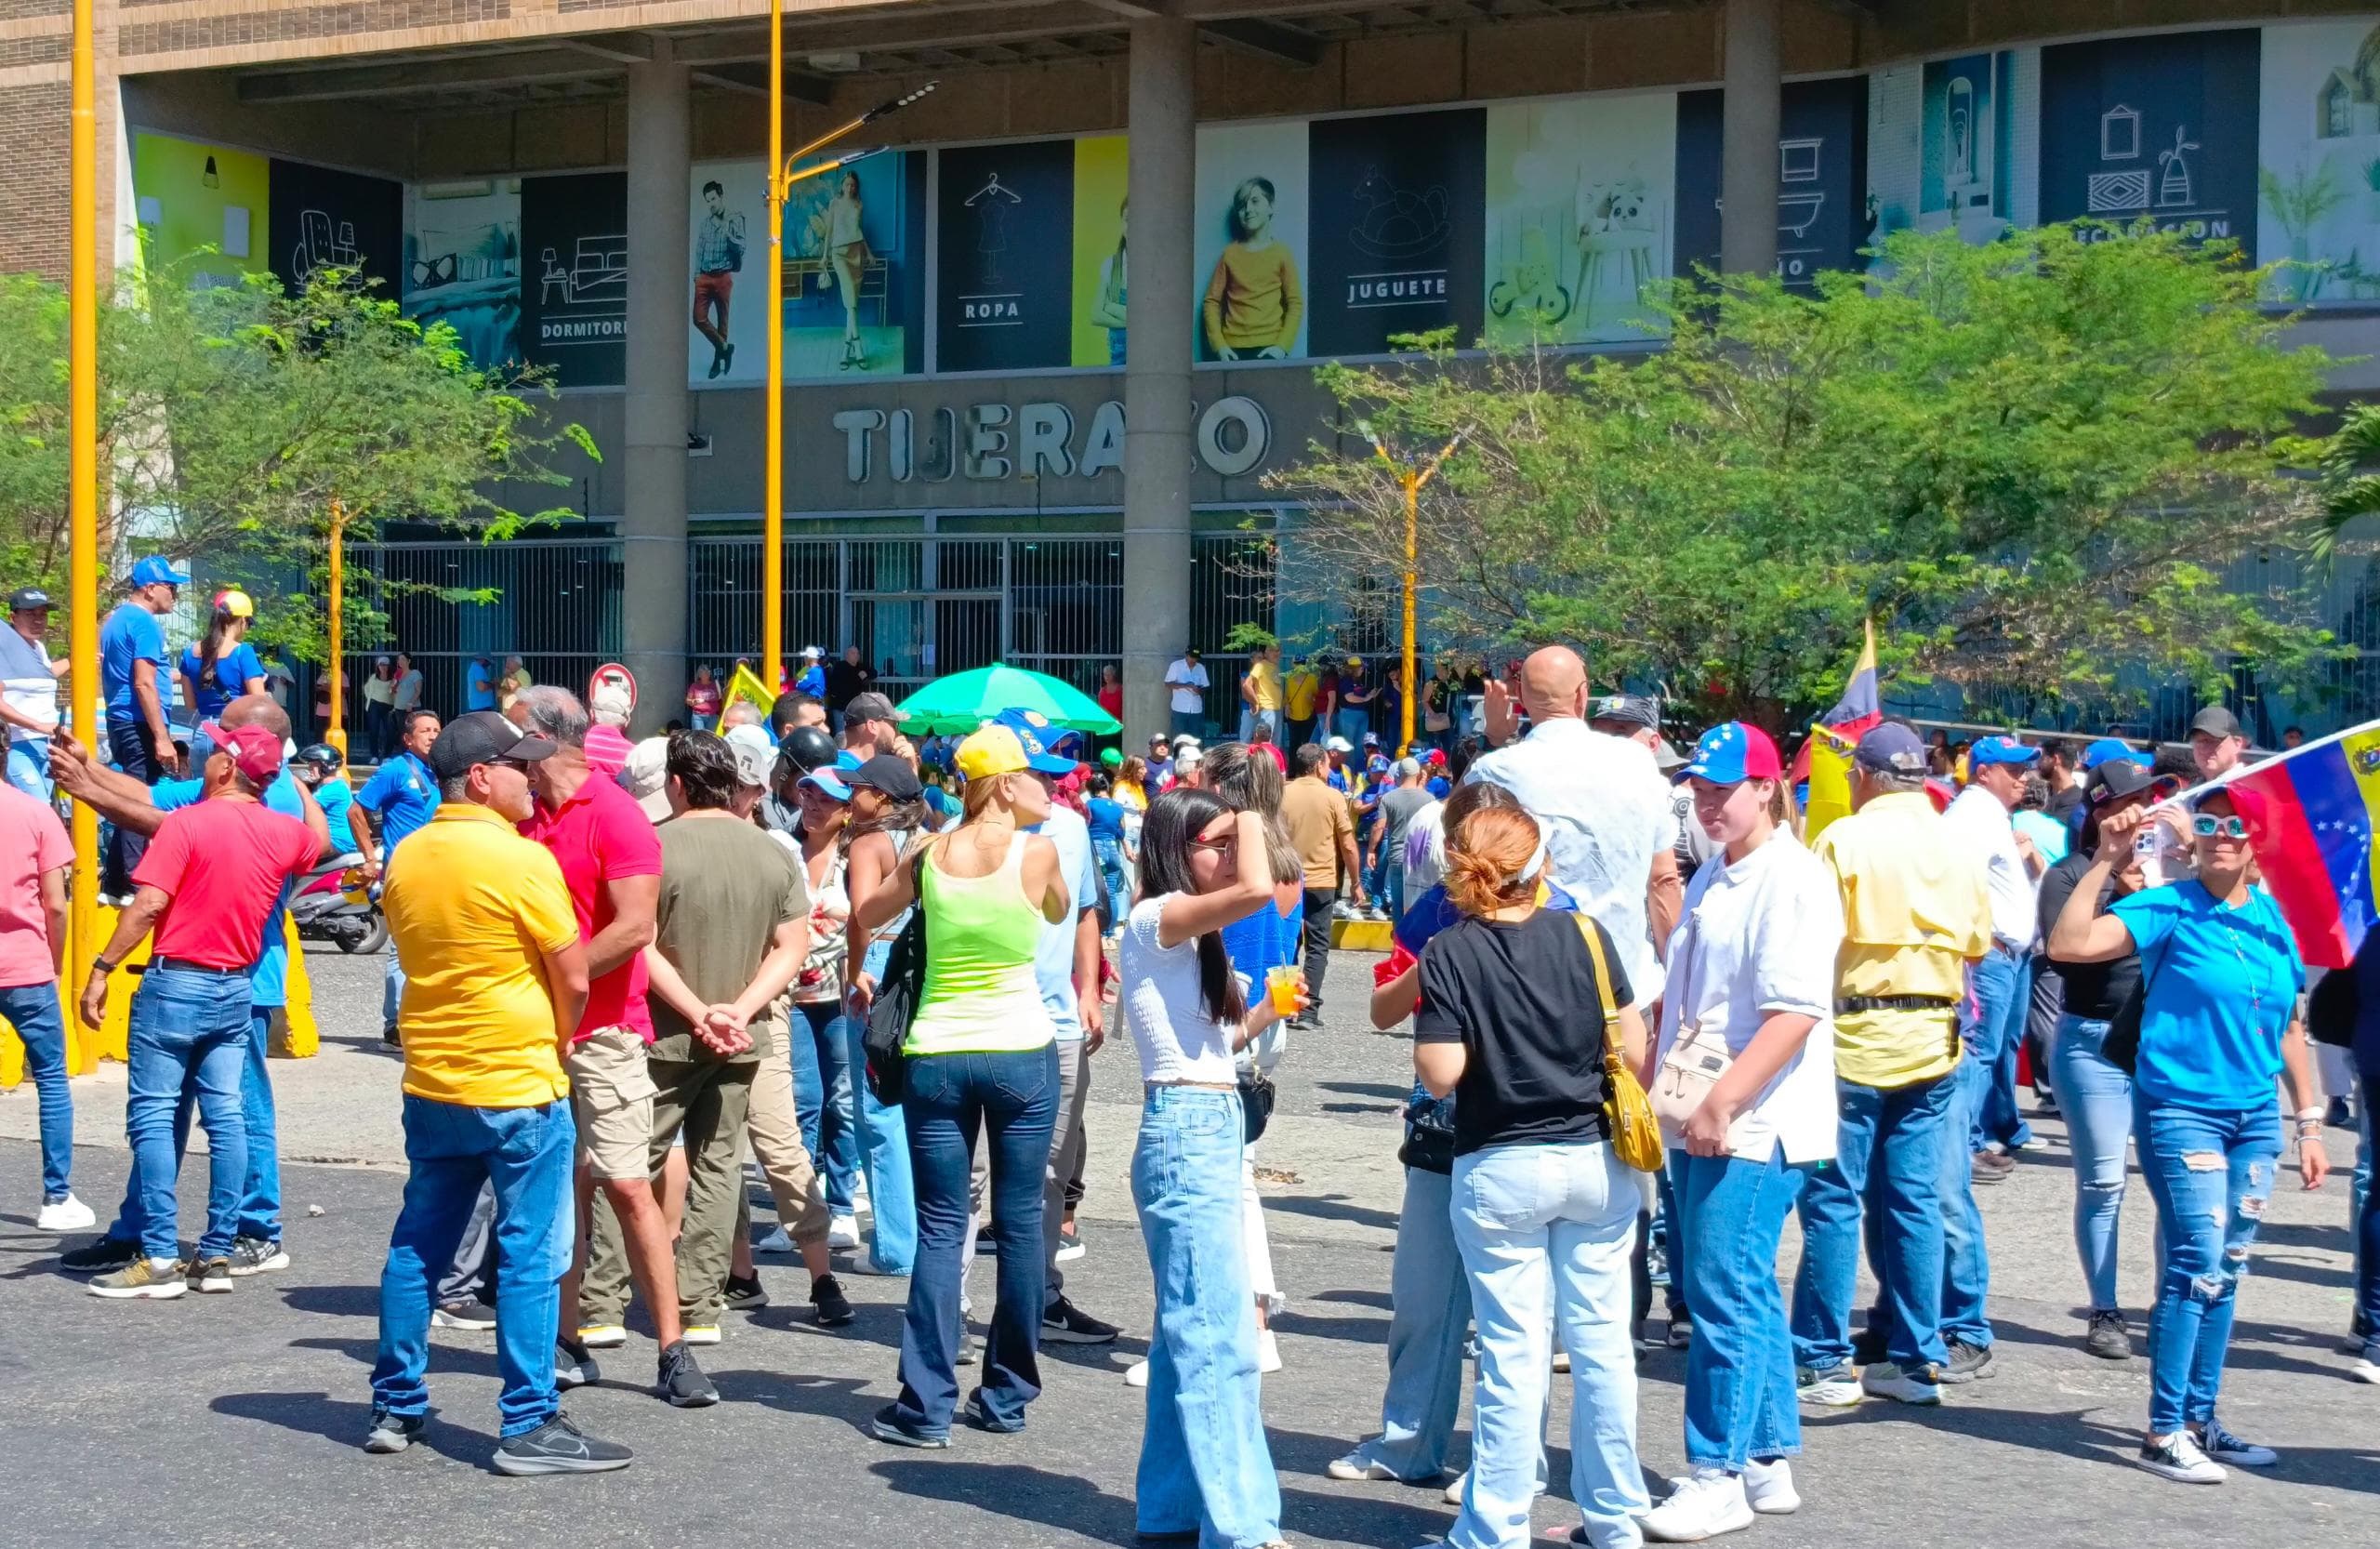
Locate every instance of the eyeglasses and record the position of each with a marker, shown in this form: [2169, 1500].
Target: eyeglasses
[521, 764]
[1229, 842]
[2208, 827]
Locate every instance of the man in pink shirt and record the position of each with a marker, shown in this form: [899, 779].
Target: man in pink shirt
[34, 859]
[611, 860]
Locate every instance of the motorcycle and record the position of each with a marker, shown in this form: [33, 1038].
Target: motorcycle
[337, 902]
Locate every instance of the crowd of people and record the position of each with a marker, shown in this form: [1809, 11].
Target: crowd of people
[1653, 1011]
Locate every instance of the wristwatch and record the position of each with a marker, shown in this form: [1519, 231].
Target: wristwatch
[104, 966]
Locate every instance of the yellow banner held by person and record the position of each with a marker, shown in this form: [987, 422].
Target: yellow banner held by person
[745, 683]
[1830, 782]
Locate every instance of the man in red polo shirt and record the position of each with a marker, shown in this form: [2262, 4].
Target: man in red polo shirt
[207, 881]
[611, 860]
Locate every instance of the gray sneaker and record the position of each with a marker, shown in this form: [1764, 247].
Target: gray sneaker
[559, 1447]
[253, 1255]
[1966, 1363]
[681, 1380]
[2108, 1338]
[210, 1276]
[392, 1433]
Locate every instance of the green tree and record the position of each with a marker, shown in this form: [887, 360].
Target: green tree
[232, 418]
[2029, 462]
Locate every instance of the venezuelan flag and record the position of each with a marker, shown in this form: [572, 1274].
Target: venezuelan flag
[2315, 847]
[1830, 755]
[1860, 710]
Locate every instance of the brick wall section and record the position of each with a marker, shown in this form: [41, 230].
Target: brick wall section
[24, 10]
[249, 29]
[33, 148]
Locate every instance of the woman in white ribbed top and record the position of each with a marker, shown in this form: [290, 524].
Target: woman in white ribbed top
[1205, 1467]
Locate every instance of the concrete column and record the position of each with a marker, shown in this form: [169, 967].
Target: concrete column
[653, 520]
[1156, 374]
[1748, 146]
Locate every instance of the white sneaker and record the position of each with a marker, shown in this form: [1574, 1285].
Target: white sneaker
[2365, 1369]
[864, 1263]
[1137, 1374]
[1769, 1488]
[602, 1336]
[701, 1333]
[859, 1193]
[1268, 1351]
[842, 1231]
[69, 1214]
[1828, 1390]
[1887, 1381]
[2178, 1458]
[777, 1242]
[1707, 1503]
[1355, 1466]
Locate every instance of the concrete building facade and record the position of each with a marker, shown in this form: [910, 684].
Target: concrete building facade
[974, 455]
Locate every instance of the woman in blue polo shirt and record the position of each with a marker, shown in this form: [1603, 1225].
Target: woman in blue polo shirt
[2219, 980]
[223, 665]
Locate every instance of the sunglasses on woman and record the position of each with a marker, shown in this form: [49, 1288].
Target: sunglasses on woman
[2209, 827]
[1227, 842]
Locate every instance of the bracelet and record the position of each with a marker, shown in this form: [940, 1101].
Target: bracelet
[2310, 1114]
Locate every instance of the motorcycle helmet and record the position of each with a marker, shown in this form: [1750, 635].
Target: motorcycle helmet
[807, 747]
[322, 756]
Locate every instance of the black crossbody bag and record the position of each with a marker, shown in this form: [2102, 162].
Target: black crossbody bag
[897, 998]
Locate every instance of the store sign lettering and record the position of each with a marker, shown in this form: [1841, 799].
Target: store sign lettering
[987, 441]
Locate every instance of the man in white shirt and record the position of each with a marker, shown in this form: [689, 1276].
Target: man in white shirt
[1980, 818]
[29, 690]
[1603, 805]
[1187, 680]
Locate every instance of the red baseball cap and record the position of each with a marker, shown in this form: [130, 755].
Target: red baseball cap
[255, 751]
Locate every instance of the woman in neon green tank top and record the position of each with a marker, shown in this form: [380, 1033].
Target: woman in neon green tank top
[983, 1056]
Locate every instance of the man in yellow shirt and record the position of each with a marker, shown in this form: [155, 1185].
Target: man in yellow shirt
[1299, 692]
[1916, 912]
[1259, 695]
[495, 980]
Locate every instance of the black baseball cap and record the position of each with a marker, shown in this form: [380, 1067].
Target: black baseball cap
[1891, 749]
[482, 736]
[28, 597]
[868, 707]
[2216, 722]
[1633, 710]
[885, 773]
[2116, 779]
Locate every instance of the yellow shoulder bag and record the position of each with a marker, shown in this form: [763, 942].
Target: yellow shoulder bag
[1628, 1114]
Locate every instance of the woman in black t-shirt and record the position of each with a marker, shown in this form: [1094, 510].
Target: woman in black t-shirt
[2094, 1093]
[1510, 1024]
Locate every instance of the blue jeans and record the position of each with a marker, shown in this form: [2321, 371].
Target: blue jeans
[951, 1097]
[2210, 1174]
[1888, 1160]
[524, 1155]
[392, 980]
[1110, 855]
[822, 1096]
[2095, 1097]
[1740, 1402]
[1544, 1232]
[259, 1209]
[1966, 1259]
[1191, 721]
[33, 1009]
[1249, 717]
[2367, 1224]
[29, 767]
[883, 1143]
[188, 1028]
[1352, 724]
[1430, 1307]
[1205, 1466]
[2001, 985]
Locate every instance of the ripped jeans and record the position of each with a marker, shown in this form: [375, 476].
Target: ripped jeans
[2210, 1174]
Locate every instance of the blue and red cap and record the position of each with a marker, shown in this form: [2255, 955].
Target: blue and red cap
[1731, 754]
[1034, 734]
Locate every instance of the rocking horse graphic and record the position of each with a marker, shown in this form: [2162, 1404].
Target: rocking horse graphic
[1397, 224]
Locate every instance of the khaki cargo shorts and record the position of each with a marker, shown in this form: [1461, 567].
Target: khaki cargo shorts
[611, 1097]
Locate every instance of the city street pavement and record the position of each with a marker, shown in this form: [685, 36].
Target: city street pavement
[234, 1420]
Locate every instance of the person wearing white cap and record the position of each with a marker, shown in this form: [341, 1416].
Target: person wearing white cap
[813, 679]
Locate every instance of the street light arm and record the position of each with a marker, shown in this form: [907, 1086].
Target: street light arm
[786, 178]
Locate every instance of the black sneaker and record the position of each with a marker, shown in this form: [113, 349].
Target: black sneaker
[887, 1426]
[392, 1433]
[744, 1294]
[211, 1276]
[390, 1037]
[1966, 1363]
[981, 1418]
[574, 1367]
[1681, 1336]
[473, 1315]
[253, 1255]
[834, 1307]
[97, 1255]
[559, 1447]
[1867, 1347]
[2339, 1116]
[1064, 1323]
[681, 1380]
[2108, 1338]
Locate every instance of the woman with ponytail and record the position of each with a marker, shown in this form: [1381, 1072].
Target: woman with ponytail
[222, 665]
[1517, 1004]
[1205, 1467]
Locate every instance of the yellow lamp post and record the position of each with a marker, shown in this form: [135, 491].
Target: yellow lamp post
[1410, 477]
[335, 620]
[782, 177]
[82, 471]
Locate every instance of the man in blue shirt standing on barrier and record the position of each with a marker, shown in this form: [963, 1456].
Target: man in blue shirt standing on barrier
[132, 674]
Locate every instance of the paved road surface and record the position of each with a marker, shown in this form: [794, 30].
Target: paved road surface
[233, 1419]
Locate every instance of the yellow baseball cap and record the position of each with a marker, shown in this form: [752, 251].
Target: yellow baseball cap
[990, 751]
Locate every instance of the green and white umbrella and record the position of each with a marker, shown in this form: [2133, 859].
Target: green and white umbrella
[957, 705]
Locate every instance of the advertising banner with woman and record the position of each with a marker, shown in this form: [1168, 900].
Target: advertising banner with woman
[1101, 223]
[1249, 237]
